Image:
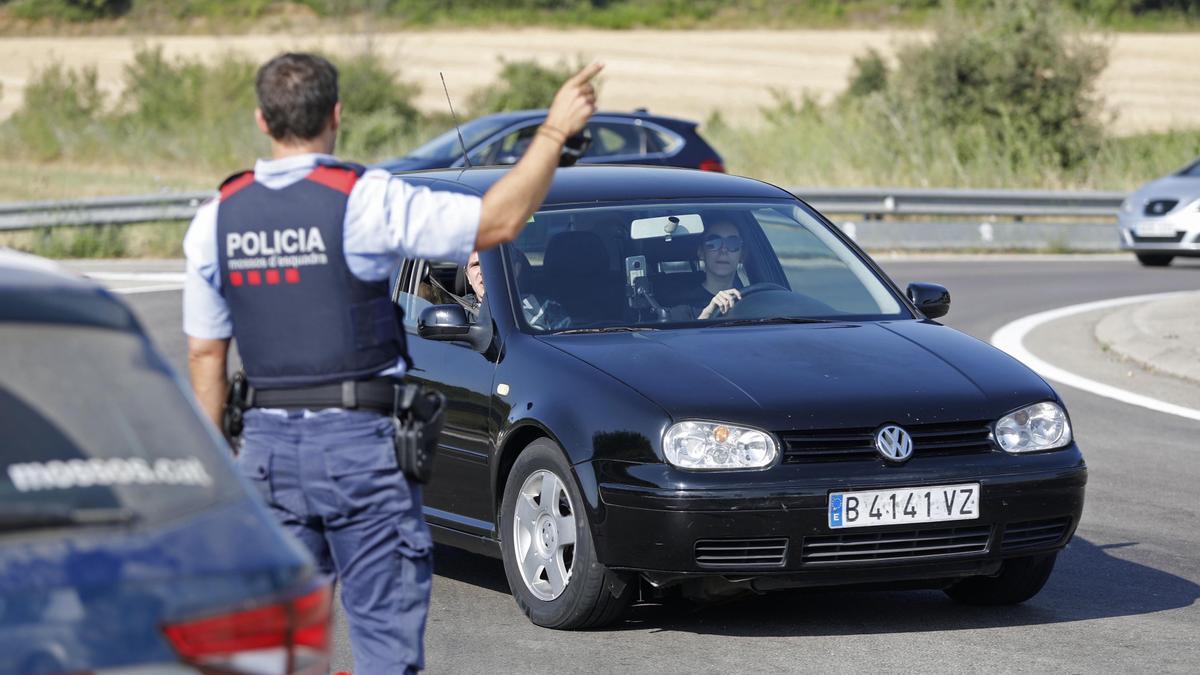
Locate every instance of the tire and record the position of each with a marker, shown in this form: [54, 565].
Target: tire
[1155, 259]
[588, 595]
[1019, 580]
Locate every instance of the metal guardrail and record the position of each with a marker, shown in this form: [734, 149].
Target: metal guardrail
[869, 202]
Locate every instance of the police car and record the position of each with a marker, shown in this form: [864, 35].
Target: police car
[123, 525]
[616, 430]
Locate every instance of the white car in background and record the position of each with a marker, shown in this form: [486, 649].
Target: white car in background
[1161, 219]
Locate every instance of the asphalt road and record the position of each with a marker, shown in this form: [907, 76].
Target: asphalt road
[1123, 597]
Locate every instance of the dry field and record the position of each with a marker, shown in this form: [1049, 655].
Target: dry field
[1152, 83]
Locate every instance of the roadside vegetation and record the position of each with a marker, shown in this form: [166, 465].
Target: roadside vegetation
[1003, 98]
[191, 15]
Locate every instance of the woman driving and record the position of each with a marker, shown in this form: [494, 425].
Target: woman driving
[721, 251]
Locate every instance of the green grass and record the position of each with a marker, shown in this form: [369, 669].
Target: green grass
[222, 15]
[142, 240]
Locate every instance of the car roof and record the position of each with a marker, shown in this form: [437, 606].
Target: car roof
[39, 290]
[614, 183]
[522, 115]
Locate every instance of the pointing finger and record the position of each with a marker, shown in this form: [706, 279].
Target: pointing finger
[587, 73]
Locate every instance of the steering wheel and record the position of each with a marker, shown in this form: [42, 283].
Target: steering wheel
[754, 289]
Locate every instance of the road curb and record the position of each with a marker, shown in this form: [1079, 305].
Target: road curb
[1161, 335]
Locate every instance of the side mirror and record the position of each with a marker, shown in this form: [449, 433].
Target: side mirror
[933, 300]
[449, 323]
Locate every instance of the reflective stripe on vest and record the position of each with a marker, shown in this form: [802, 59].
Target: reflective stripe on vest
[300, 316]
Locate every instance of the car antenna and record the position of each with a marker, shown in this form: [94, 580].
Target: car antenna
[461, 142]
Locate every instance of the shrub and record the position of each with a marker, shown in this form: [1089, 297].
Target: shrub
[70, 10]
[520, 86]
[1013, 73]
[58, 112]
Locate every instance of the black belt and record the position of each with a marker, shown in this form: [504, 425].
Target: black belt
[379, 394]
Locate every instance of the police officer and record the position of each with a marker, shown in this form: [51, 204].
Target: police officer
[292, 260]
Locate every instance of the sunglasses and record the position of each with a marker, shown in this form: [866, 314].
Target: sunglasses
[731, 243]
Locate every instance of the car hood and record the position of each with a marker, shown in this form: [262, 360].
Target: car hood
[796, 377]
[1184, 188]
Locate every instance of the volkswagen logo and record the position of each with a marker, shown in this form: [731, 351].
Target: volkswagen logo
[893, 443]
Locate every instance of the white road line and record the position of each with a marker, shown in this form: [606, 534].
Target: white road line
[1010, 338]
[147, 289]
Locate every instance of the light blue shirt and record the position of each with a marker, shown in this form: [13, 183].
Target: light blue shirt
[387, 220]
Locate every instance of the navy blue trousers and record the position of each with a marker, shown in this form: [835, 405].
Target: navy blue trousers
[331, 479]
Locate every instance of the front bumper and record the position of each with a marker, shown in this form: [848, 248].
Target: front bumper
[1184, 239]
[667, 522]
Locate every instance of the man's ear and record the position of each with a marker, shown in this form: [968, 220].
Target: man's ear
[261, 121]
[335, 120]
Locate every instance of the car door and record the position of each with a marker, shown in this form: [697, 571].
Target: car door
[459, 496]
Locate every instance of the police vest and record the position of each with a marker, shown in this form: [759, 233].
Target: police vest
[300, 316]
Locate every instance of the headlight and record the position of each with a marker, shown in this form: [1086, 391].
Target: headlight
[1127, 206]
[713, 445]
[1042, 426]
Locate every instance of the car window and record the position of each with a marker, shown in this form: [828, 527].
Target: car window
[507, 149]
[616, 138]
[437, 283]
[93, 419]
[661, 140]
[1192, 171]
[616, 266]
[447, 146]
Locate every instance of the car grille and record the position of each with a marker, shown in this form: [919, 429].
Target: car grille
[1158, 207]
[741, 552]
[929, 440]
[904, 545]
[1176, 238]
[1035, 533]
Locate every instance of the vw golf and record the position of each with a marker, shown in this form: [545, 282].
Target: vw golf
[685, 380]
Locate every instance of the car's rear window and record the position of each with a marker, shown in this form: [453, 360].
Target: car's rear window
[93, 420]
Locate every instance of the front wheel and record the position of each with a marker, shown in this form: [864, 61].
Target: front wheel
[1155, 259]
[1019, 580]
[546, 541]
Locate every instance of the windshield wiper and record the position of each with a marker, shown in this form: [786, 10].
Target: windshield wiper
[606, 329]
[39, 517]
[769, 319]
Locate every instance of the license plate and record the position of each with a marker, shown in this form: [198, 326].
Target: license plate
[904, 505]
[1154, 229]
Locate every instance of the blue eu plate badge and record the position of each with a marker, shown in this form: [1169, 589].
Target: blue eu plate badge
[835, 511]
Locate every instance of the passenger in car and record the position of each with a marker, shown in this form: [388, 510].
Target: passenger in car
[721, 251]
[543, 315]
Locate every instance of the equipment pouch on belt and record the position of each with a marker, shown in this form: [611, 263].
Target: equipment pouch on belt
[232, 419]
[419, 415]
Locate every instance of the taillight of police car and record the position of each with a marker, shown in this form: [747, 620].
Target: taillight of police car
[712, 165]
[289, 636]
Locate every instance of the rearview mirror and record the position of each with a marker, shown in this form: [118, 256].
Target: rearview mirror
[933, 300]
[666, 226]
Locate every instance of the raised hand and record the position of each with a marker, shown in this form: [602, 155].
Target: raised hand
[575, 102]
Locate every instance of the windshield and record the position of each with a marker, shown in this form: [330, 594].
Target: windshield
[1192, 171]
[617, 268]
[446, 146]
[94, 424]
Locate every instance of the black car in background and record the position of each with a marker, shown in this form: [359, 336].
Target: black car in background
[616, 138]
[824, 431]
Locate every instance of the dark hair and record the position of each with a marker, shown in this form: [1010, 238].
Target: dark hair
[296, 93]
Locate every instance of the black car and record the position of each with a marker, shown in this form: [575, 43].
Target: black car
[616, 138]
[609, 444]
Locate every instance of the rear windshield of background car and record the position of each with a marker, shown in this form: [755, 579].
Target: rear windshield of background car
[93, 421]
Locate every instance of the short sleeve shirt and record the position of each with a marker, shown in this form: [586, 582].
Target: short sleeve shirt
[387, 220]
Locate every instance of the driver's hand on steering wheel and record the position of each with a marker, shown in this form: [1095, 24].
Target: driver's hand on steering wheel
[722, 302]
